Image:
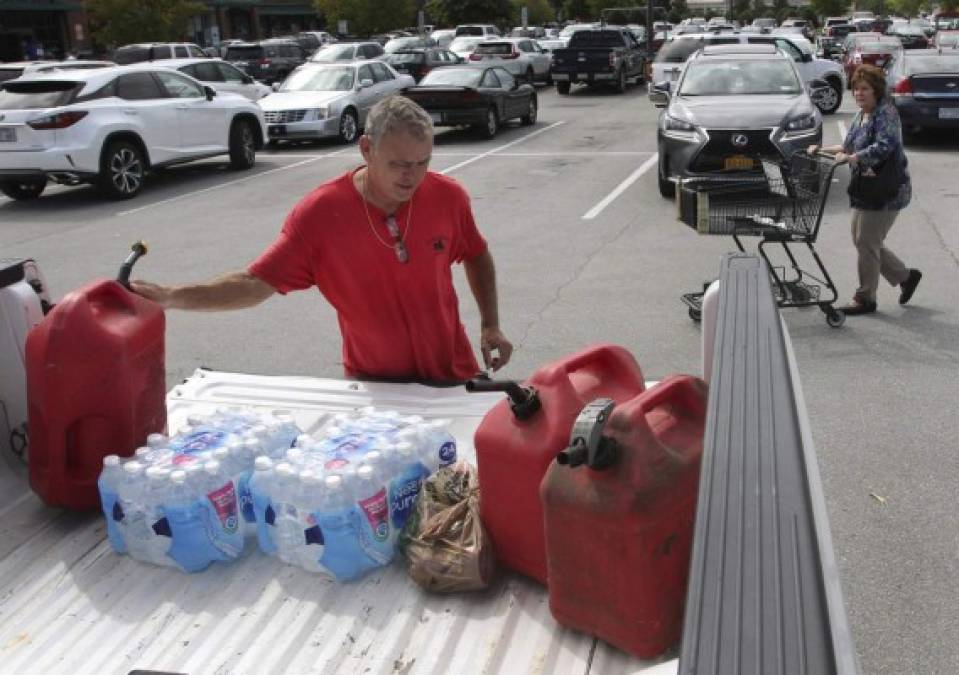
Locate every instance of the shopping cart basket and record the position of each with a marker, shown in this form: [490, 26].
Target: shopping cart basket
[784, 206]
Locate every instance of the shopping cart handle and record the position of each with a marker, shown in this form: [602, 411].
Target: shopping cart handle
[828, 155]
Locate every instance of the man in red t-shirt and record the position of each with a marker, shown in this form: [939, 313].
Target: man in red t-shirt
[378, 242]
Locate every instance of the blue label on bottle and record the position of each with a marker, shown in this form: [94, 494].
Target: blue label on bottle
[403, 492]
[447, 453]
[198, 441]
[245, 497]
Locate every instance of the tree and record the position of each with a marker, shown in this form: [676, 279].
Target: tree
[781, 10]
[368, 17]
[678, 11]
[906, 8]
[453, 12]
[742, 12]
[539, 12]
[120, 22]
[760, 9]
[826, 8]
[578, 10]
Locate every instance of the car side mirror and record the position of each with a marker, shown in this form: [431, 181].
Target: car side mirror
[366, 84]
[659, 94]
[275, 86]
[806, 57]
[210, 92]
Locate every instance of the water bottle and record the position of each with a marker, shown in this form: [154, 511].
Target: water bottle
[132, 495]
[374, 529]
[221, 511]
[285, 518]
[190, 547]
[441, 441]
[158, 536]
[310, 546]
[260, 489]
[404, 486]
[141, 454]
[338, 520]
[108, 484]
[241, 460]
[157, 441]
[284, 428]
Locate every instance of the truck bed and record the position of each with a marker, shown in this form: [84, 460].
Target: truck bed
[69, 604]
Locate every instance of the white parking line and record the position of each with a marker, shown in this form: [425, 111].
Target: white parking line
[163, 202]
[619, 189]
[502, 147]
[842, 129]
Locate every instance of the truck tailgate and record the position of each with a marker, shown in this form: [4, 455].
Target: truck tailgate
[69, 604]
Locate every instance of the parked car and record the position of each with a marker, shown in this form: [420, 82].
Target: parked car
[764, 23]
[486, 30]
[878, 52]
[312, 40]
[112, 126]
[222, 76]
[153, 51]
[911, 37]
[561, 41]
[418, 62]
[733, 106]
[599, 56]
[324, 100]
[522, 57]
[535, 32]
[830, 43]
[669, 62]
[348, 51]
[443, 37]
[478, 96]
[924, 87]
[9, 71]
[835, 21]
[799, 25]
[946, 38]
[267, 60]
[398, 43]
[464, 46]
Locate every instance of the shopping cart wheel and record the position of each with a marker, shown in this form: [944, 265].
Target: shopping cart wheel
[696, 314]
[835, 317]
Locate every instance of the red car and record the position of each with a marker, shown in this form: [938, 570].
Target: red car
[877, 51]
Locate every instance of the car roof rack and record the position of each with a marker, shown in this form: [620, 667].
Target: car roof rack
[727, 50]
[764, 593]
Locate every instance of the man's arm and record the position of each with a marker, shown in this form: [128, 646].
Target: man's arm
[236, 290]
[481, 274]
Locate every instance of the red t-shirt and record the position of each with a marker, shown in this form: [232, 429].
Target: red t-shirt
[398, 320]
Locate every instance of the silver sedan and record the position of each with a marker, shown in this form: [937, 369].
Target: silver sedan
[322, 100]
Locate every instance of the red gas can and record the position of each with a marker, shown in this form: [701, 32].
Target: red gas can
[95, 387]
[619, 530]
[512, 454]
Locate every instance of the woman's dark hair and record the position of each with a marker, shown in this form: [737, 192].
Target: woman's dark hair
[872, 77]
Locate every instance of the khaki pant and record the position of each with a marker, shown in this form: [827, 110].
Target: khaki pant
[869, 230]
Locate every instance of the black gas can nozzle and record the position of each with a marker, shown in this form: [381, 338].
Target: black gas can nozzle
[587, 445]
[523, 401]
[137, 250]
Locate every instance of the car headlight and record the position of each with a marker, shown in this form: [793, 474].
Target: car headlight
[675, 124]
[320, 113]
[803, 123]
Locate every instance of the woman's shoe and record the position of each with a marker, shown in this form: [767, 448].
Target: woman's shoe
[909, 286]
[859, 306]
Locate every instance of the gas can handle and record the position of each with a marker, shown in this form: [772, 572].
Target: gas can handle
[137, 250]
[673, 388]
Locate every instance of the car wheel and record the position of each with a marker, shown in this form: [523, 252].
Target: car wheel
[349, 127]
[489, 129]
[23, 190]
[242, 145]
[667, 188]
[529, 118]
[828, 99]
[122, 170]
[621, 82]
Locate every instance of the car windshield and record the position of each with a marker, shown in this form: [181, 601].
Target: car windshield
[36, 95]
[406, 57]
[464, 43]
[494, 48]
[733, 78]
[246, 53]
[396, 44]
[934, 63]
[679, 50]
[126, 55]
[569, 30]
[319, 79]
[456, 77]
[879, 47]
[334, 53]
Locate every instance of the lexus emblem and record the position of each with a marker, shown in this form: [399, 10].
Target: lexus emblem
[740, 140]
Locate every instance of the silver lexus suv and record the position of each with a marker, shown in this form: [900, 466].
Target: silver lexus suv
[732, 107]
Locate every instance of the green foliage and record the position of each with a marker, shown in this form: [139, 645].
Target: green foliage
[366, 17]
[742, 12]
[826, 8]
[948, 5]
[906, 8]
[120, 22]
[760, 9]
[539, 11]
[454, 12]
[678, 11]
[782, 10]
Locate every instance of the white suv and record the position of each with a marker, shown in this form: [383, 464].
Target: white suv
[222, 76]
[111, 126]
[522, 57]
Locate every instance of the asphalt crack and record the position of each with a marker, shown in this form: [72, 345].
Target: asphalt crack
[942, 240]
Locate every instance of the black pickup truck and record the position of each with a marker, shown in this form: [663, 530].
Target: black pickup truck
[601, 56]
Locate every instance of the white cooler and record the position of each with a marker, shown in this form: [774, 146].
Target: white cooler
[23, 301]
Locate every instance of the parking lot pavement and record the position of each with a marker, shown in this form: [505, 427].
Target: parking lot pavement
[587, 251]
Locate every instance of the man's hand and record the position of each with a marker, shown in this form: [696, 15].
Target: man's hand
[492, 339]
[158, 294]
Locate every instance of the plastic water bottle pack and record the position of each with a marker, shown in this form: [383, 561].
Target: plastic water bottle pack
[185, 501]
[335, 503]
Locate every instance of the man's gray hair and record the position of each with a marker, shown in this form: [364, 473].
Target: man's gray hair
[396, 113]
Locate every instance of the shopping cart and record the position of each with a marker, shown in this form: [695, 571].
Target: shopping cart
[784, 206]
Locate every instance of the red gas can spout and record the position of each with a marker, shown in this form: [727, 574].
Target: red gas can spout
[137, 250]
[523, 401]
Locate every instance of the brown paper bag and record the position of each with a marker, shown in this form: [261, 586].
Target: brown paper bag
[447, 548]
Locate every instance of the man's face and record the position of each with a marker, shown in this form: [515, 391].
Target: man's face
[397, 164]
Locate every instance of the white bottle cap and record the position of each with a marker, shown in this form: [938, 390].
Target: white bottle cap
[295, 455]
[111, 460]
[142, 451]
[194, 468]
[365, 472]
[156, 440]
[284, 469]
[263, 463]
[303, 439]
[333, 482]
[178, 477]
[220, 454]
[212, 467]
[153, 473]
[132, 468]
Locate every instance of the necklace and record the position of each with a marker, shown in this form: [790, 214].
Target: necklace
[398, 245]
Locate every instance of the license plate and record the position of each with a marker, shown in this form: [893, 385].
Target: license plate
[436, 117]
[277, 130]
[8, 135]
[738, 162]
[949, 113]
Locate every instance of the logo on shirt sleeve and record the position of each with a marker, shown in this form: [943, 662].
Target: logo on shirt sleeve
[439, 244]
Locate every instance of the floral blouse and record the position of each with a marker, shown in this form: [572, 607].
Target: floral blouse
[879, 139]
